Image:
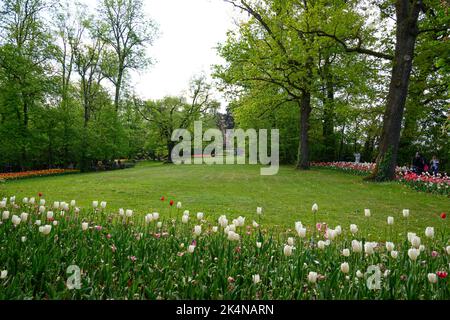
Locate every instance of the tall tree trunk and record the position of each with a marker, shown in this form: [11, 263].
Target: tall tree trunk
[303, 149]
[407, 13]
[328, 114]
[118, 87]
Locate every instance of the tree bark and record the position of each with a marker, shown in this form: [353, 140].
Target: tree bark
[303, 149]
[407, 13]
[328, 116]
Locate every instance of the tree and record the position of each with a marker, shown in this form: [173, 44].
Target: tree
[128, 31]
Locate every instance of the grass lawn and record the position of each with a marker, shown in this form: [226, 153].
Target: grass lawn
[238, 190]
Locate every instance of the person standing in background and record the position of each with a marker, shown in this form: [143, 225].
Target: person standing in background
[434, 165]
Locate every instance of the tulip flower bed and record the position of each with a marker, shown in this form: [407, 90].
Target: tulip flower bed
[182, 255]
[350, 167]
[37, 173]
[439, 184]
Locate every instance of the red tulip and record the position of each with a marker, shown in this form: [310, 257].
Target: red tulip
[162, 198]
[171, 202]
[40, 194]
[443, 215]
[442, 274]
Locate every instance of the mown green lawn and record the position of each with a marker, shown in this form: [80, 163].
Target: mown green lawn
[239, 189]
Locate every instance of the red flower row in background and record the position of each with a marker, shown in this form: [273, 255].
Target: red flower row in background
[37, 173]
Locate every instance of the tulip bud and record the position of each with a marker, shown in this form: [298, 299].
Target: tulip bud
[191, 249]
[259, 210]
[315, 208]
[42, 202]
[159, 225]
[429, 232]
[346, 252]
[312, 277]
[405, 213]
[259, 245]
[432, 278]
[353, 228]
[394, 254]
[56, 205]
[95, 204]
[73, 203]
[41, 209]
[200, 215]
[367, 212]
[15, 220]
[103, 204]
[256, 278]
[37, 222]
[3, 274]
[25, 201]
[5, 215]
[179, 205]
[255, 224]
[345, 268]
[338, 230]
[121, 212]
[84, 226]
[290, 241]
[198, 230]
[215, 229]
[23, 239]
[390, 221]
[389, 246]
[359, 274]
[185, 219]
[129, 213]
[287, 250]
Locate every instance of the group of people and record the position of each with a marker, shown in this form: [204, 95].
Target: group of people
[421, 165]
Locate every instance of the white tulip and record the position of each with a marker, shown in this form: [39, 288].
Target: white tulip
[223, 221]
[159, 225]
[390, 246]
[129, 213]
[38, 222]
[56, 205]
[259, 210]
[103, 204]
[50, 215]
[405, 213]
[191, 249]
[394, 254]
[367, 212]
[255, 224]
[25, 201]
[2, 204]
[185, 219]
[429, 232]
[5, 215]
[45, 229]
[12, 200]
[42, 202]
[390, 221]
[287, 250]
[32, 201]
[240, 221]
[178, 205]
[155, 216]
[198, 230]
[215, 229]
[357, 246]
[331, 234]
[3, 274]
[413, 254]
[233, 236]
[415, 241]
[301, 232]
[353, 228]
[15, 220]
[432, 278]
[448, 250]
[121, 212]
[315, 208]
[290, 241]
[421, 248]
[95, 204]
[411, 235]
[338, 230]
[200, 215]
[256, 278]
[259, 245]
[84, 226]
[73, 203]
[148, 218]
[23, 239]
[77, 210]
[321, 245]
[368, 248]
[345, 268]
[186, 213]
[232, 227]
[41, 209]
[346, 252]
[55, 223]
[359, 274]
[312, 277]
[65, 206]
